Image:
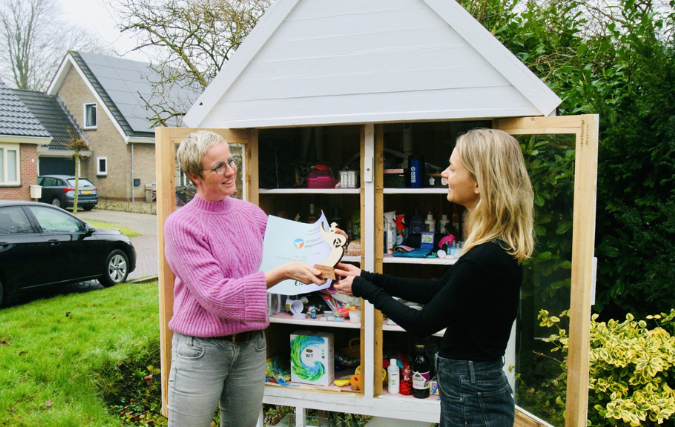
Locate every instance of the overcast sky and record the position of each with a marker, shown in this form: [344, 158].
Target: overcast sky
[99, 18]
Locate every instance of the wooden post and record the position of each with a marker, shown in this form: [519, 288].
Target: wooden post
[586, 130]
[583, 245]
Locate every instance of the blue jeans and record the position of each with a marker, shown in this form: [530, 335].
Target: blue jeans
[205, 372]
[474, 393]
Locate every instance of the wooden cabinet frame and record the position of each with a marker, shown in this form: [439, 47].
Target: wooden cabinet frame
[584, 127]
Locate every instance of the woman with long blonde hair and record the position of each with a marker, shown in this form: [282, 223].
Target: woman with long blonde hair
[477, 299]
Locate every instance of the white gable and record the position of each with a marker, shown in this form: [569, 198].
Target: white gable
[311, 62]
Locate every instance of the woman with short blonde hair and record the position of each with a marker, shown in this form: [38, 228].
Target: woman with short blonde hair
[214, 246]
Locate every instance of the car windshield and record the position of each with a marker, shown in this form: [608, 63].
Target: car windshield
[84, 182]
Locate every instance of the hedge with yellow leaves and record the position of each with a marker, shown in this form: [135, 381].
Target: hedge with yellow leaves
[631, 369]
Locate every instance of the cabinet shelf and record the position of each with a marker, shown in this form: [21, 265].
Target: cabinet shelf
[390, 259]
[434, 190]
[288, 319]
[310, 191]
[308, 387]
[395, 328]
[434, 400]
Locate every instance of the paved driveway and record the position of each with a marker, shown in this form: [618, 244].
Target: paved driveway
[145, 244]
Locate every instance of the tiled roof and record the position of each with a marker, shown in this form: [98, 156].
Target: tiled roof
[120, 83]
[50, 112]
[15, 118]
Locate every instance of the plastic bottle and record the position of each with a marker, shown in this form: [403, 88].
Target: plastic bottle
[416, 223]
[415, 172]
[455, 223]
[443, 224]
[356, 225]
[336, 217]
[401, 230]
[421, 373]
[389, 232]
[393, 377]
[430, 223]
[311, 218]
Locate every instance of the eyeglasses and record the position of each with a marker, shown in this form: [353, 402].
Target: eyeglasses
[221, 167]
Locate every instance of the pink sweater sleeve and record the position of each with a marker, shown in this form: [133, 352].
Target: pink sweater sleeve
[218, 266]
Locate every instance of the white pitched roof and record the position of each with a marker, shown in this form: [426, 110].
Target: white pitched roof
[312, 62]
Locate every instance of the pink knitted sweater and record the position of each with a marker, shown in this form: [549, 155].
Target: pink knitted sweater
[215, 250]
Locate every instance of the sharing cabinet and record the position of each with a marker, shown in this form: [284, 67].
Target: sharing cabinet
[275, 166]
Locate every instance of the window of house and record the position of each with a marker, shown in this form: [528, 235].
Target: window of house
[101, 166]
[9, 165]
[90, 116]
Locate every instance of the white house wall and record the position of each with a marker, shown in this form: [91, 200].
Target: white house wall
[364, 61]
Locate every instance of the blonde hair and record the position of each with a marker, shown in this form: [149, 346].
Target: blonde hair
[505, 208]
[192, 149]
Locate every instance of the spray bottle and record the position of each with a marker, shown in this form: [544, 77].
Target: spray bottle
[401, 229]
[390, 231]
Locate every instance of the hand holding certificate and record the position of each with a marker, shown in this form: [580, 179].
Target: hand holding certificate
[312, 244]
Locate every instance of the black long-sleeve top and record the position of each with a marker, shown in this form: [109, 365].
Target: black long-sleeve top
[476, 300]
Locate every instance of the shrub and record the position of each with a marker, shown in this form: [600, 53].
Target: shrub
[631, 369]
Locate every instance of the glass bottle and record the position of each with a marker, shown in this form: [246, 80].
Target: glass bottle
[421, 373]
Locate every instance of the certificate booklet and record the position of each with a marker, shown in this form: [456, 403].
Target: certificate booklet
[288, 241]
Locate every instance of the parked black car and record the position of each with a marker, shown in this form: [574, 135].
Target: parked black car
[59, 190]
[43, 245]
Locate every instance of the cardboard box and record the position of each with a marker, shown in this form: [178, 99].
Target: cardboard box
[312, 358]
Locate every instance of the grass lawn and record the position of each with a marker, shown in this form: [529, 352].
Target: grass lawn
[90, 359]
[58, 354]
[126, 231]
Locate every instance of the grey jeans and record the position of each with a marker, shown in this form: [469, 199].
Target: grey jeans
[206, 372]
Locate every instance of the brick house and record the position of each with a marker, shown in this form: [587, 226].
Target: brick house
[21, 133]
[55, 157]
[105, 97]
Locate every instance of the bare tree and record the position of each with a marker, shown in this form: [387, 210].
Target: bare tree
[189, 41]
[34, 39]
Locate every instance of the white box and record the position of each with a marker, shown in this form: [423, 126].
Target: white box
[312, 358]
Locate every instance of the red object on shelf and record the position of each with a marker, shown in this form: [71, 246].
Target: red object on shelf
[321, 177]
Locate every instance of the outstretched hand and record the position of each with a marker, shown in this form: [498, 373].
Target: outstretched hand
[344, 286]
[304, 273]
[348, 272]
[295, 271]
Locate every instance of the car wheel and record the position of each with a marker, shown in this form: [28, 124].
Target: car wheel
[88, 208]
[116, 268]
[56, 202]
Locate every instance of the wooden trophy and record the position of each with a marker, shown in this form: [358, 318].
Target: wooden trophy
[337, 243]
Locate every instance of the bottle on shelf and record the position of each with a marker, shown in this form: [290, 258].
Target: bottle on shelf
[311, 218]
[416, 223]
[421, 373]
[389, 232]
[393, 377]
[401, 229]
[356, 225]
[336, 217]
[443, 225]
[430, 223]
[455, 223]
